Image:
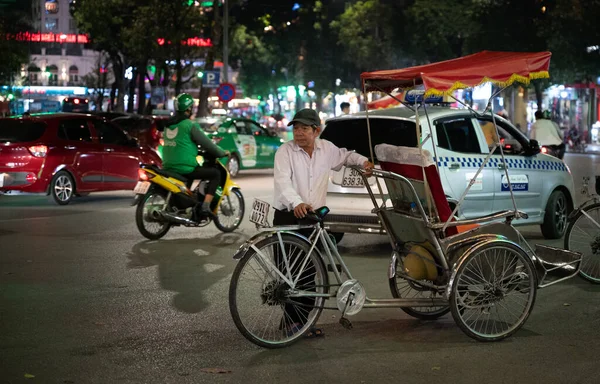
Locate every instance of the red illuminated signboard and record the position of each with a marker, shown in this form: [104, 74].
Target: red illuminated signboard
[192, 42]
[50, 37]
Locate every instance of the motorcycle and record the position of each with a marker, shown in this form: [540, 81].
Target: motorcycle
[574, 142]
[164, 199]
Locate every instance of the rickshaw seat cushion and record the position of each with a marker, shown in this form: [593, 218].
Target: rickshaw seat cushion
[410, 162]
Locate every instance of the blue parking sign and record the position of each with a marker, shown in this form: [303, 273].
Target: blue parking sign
[211, 79]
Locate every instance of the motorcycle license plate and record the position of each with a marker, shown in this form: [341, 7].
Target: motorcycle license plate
[352, 178]
[260, 213]
[141, 187]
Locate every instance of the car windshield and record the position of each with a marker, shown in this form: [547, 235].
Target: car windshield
[352, 133]
[20, 131]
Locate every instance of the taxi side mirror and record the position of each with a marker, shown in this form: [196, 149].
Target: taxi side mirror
[534, 148]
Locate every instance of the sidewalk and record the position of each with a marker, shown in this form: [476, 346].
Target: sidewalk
[593, 149]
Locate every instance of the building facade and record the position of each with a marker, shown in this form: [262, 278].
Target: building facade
[58, 54]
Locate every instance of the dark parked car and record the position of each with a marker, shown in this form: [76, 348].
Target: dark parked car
[146, 129]
[68, 154]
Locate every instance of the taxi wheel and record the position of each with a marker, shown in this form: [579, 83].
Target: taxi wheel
[233, 165]
[555, 218]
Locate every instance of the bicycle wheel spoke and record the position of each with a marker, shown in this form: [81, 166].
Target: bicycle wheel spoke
[486, 299]
[263, 310]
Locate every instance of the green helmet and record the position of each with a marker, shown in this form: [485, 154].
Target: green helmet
[184, 102]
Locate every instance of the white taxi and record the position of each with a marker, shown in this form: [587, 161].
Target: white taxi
[542, 184]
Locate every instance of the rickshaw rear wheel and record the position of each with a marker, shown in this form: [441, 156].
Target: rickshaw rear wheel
[493, 290]
[404, 289]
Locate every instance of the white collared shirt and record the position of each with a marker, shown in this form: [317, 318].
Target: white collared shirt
[300, 178]
[546, 132]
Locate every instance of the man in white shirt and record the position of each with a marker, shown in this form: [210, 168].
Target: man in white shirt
[547, 134]
[302, 169]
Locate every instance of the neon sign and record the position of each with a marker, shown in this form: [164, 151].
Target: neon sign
[192, 42]
[50, 37]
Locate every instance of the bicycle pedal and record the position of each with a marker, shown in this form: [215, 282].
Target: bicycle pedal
[337, 266]
[345, 323]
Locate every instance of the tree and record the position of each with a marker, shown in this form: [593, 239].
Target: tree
[573, 37]
[106, 21]
[98, 80]
[13, 19]
[364, 31]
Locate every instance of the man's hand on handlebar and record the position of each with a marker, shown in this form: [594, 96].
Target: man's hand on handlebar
[368, 167]
[301, 210]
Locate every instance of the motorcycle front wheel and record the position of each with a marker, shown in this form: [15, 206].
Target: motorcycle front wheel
[148, 226]
[231, 211]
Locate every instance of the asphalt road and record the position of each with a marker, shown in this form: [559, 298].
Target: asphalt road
[85, 299]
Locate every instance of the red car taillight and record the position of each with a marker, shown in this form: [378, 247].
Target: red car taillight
[38, 150]
[544, 150]
[144, 176]
[155, 134]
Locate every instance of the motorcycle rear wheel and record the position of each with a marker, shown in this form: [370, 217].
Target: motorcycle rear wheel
[152, 230]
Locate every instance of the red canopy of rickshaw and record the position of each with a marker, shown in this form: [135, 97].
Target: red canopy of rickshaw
[444, 77]
[385, 102]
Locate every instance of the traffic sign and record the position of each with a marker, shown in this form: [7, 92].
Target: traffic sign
[211, 79]
[226, 92]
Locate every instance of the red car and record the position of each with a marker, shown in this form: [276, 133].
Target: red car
[68, 154]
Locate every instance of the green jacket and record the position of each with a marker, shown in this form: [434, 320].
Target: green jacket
[181, 140]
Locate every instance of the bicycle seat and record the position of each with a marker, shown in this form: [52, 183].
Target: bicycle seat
[318, 214]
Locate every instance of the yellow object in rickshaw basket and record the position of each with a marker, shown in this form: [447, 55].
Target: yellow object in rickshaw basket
[419, 264]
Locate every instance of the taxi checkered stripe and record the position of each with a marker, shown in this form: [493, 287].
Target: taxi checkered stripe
[475, 162]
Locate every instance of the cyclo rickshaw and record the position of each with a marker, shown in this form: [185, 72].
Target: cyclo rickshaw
[481, 270]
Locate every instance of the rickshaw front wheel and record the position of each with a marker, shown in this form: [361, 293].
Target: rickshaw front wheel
[493, 291]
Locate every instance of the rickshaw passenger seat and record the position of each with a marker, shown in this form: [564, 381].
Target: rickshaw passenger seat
[409, 162]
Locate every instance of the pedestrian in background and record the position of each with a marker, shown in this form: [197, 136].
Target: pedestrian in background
[345, 107]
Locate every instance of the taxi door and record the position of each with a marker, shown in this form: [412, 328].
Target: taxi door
[461, 150]
[524, 171]
[245, 143]
[266, 145]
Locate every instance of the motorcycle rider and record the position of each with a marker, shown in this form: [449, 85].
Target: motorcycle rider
[182, 137]
[547, 133]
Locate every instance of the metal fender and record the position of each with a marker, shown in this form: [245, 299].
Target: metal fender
[244, 248]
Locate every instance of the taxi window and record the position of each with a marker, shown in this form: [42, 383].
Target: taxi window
[458, 135]
[352, 133]
[242, 128]
[255, 129]
[512, 141]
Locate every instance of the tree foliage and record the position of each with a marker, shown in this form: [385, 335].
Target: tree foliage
[14, 18]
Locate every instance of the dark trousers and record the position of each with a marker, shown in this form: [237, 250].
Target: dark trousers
[212, 175]
[299, 311]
